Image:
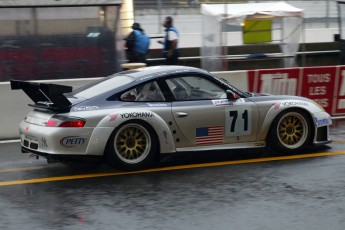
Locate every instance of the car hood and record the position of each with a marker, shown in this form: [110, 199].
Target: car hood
[259, 97]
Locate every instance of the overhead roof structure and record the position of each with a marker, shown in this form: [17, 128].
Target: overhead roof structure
[251, 10]
[217, 16]
[56, 3]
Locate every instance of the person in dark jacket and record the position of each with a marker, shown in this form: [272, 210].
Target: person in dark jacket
[137, 43]
[170, 49]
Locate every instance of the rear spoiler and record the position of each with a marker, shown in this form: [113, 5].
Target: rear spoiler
[41, 92]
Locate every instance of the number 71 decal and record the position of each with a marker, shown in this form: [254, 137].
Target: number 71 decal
[238, 121]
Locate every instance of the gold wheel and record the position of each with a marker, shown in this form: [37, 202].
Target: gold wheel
[132, 143]
[292, 130]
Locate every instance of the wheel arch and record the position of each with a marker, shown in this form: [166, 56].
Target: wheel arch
[268, 121]
[146, 125]
[162, 132]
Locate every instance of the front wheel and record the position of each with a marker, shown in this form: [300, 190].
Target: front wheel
[290, 131]
[131, 147]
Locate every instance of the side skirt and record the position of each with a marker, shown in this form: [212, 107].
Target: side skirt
[259, 144]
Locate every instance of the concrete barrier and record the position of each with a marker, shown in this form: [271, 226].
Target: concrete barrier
[14, 105]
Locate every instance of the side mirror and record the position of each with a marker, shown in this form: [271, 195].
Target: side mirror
[231, 95]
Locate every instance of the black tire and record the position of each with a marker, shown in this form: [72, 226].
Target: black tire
[132, 146]
[290, 131]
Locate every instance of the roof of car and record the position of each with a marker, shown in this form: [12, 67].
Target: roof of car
[159, 71]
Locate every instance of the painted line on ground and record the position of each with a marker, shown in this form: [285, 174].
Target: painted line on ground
[338, 141]
[20, 169]
[170, 168]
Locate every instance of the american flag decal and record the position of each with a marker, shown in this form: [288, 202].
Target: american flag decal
[209, 135]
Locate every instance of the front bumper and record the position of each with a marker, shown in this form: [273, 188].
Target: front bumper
[322, 122]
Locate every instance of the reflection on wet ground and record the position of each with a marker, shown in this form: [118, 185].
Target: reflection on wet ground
[295, 194]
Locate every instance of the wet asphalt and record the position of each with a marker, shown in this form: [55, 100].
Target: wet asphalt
[305, 193]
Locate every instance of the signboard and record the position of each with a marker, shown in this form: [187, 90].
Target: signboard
[278, 81]
[257, 31]
[318, 84]
[339, 97]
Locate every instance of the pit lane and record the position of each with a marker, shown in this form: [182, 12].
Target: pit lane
[244, 189]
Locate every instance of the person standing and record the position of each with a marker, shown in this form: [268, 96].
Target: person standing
[137, 43]
[170, 49]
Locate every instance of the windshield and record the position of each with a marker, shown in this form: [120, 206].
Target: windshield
[101, 86]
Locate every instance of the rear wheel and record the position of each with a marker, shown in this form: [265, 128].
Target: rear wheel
[290, 131]
[131, 147]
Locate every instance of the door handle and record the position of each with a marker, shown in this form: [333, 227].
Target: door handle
[181, 114]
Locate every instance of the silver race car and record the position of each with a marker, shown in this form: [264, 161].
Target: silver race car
[132, 117]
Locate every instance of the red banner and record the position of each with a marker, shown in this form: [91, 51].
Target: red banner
[339, 97]
[278, 81]
[251, 80]
[318, 84]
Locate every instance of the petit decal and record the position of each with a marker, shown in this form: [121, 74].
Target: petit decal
[72, 141]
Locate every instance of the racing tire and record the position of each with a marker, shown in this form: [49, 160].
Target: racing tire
[132, 146]
[290, 131]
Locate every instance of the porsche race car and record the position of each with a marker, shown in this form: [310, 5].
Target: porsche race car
[131, 117]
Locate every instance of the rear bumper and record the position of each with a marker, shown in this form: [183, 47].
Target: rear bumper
[63, 157]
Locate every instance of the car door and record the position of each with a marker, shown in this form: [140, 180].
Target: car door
[204, 115]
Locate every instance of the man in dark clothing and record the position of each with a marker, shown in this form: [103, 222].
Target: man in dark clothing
[137, 44]
[170, 50]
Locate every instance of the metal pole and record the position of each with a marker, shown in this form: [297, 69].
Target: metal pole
[304, 62]
[34, 20]
[224, 39]
[327, 14]
[159, 9]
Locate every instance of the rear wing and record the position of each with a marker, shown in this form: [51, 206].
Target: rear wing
[50, 95]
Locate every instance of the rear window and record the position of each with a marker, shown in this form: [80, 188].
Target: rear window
[101, 86]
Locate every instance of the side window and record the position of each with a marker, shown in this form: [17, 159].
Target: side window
[147, 92]
[194, 88]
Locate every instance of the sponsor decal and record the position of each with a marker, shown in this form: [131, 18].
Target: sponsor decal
[209, 135]
[165, 134]
[112, 117]
[137, 115]
[222, 102]
[278, 83]
[294, 103]
[322, 122]
[276, 106]
[72, 141]
[44, 142]
[86, 108]
[157, 104]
